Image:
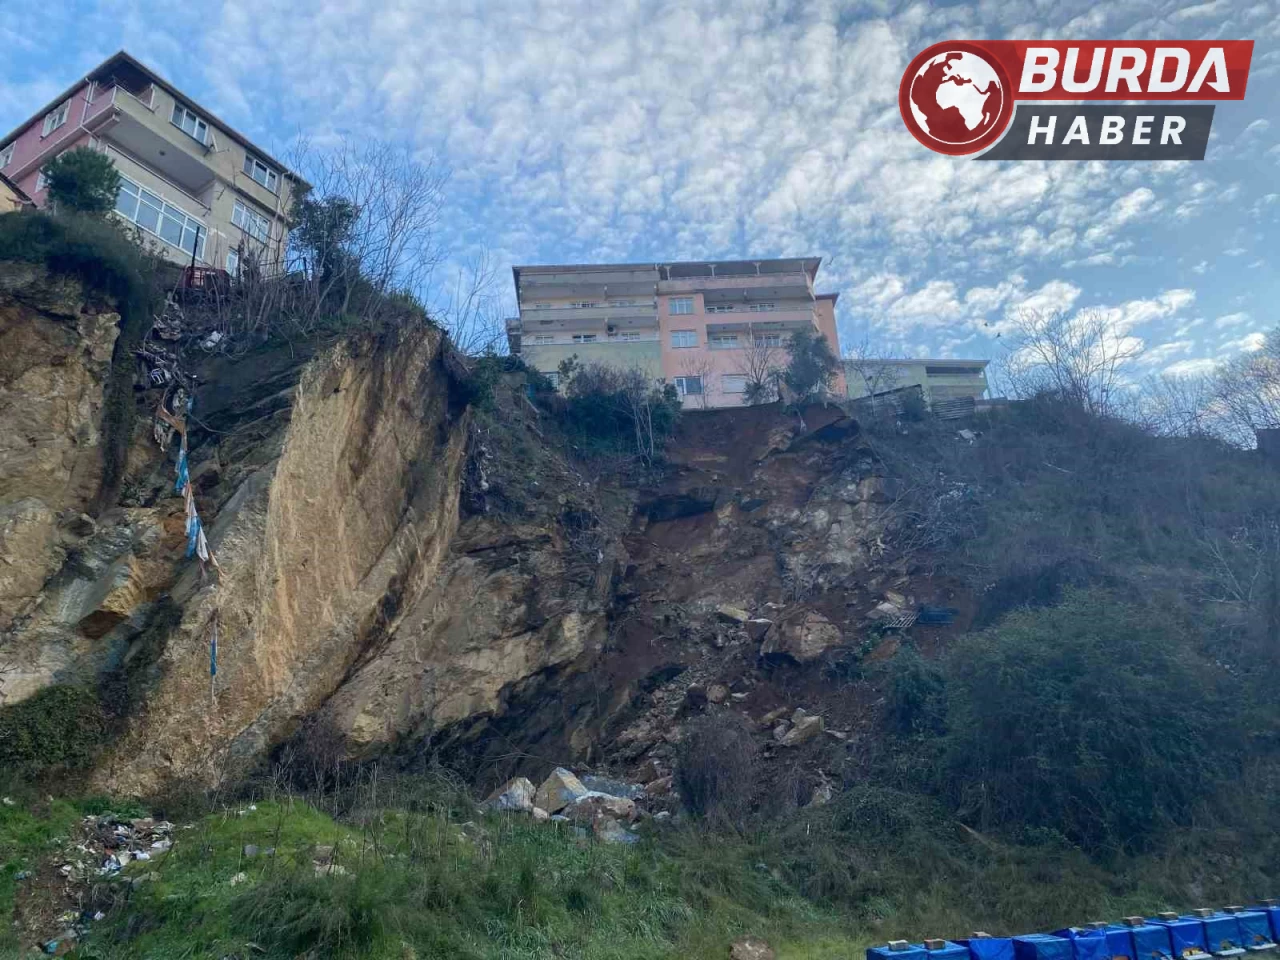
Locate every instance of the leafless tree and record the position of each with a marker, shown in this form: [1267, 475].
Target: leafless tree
[868, 368]
[1247, 391]
[1082, 358]
[698, 365]
[1178, 406]
[761, 363]
[473, 308]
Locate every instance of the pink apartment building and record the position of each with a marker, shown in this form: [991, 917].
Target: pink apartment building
[704, 326]
[191, 185]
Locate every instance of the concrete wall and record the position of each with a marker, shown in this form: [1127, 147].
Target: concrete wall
[625, 354]
[911, 373]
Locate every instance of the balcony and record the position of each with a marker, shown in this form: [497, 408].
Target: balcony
[135, 124]
[777, 321]
[588, 283]
[770, 286]
[584, 318]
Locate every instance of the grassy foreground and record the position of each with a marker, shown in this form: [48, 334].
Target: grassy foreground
[437, 880]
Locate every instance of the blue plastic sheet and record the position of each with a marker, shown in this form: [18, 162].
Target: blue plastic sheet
[1273, 915]
[948, 951]
[989, 948]
[1086, 944]
[1222, 933]
[1186, 936]
[913, 952]
[1255, 929]
[1042, 946]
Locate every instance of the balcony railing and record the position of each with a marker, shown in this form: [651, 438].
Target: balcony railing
[782, 281]
[602, 313]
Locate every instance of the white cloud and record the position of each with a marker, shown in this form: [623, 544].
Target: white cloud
[1231, 320]
[1190, 368]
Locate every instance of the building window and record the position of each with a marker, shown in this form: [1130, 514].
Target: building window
[678, 306]
[55, 118]
[721, 307]
[723, 341]
[627, 335]
[261, 172]
[6, 156]
[622, 303]
[166, 221]
[233, 262]
[584, 338]
[684, 338]
[553, 376]
[255, 225]
[544, 338]
[584, 304]
[190, 124]
[762, 307]
[768, 340]
[733, 383]
[689, 386]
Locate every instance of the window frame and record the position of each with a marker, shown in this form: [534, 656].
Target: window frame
[682, 384]
[6, 154]
[693, 336]
[270, 176]
[245, 213]
[165, 214]
[682, 302]
[723, 341]
[730, 380]
[60, 112]
[197, 122]
[586, 338]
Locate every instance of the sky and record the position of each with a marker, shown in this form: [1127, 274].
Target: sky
[633, 131]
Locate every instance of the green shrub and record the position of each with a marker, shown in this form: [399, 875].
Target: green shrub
[82, 181]
[915, 705]
[1093, 718]
[812, 366]
[60, 729]
[612, 409]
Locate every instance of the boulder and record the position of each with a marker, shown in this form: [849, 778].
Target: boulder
[612, 786]
[802, 731]
[773, 716]
[757, 627]
[660, 787]
[717, 693]
[695, 697]
[595, 806]
[885, 611]
[559, 790]
[731, 614]
[516, 795]
[750, 948]
[878, 489]
[803, 638]
[608, 830]
[539, 815]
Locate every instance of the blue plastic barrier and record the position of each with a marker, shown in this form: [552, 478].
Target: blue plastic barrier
[1151, 942]
[1273, 915]
[1186, 936]
[1120, 942]
[947, 951]
[911, 952]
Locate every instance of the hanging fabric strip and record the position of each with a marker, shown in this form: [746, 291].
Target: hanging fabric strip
[183, 475]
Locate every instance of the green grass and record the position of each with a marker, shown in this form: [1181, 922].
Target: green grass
[428, 879]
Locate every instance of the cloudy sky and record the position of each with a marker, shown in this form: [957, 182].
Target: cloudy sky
[637, 131]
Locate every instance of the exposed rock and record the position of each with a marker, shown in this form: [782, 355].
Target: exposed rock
[822, 794]
[802, 731]
[757, 627]
[516, 794]
[660, 787]
[774, 715]
[751, 948]
[781, 730]
[594, 806]
[540, 815]
[559, 790]
[802, 638]
[612, 786]
[695, 696]
[609, 830]
[717, 693]
[878, 489]
[731, 614]
[885, 611]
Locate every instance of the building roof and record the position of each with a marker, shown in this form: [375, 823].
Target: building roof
[16, 190]
[122, 58]
[678, 269]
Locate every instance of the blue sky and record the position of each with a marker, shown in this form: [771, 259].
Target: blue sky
[638, 131]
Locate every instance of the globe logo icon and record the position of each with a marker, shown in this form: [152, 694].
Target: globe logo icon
[954, 99]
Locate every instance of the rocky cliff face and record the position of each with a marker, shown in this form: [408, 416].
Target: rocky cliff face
[407, 574]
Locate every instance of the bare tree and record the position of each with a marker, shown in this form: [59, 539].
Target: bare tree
[1178, 406]
[1082, 358]
[473, 308]
[869, 369]
[698, 365]
[761, 363]
[1247, 391]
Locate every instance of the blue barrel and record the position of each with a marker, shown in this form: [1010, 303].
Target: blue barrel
[1255, 930]
[1151, 942]
[1086, 943]
[911, 952]
[989, 948]
[1186, 936]
[1042, 946]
